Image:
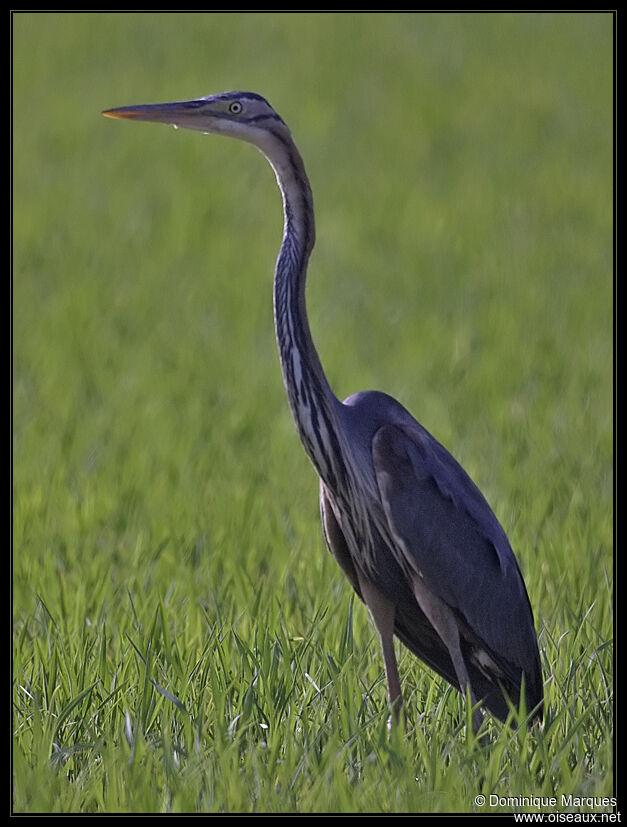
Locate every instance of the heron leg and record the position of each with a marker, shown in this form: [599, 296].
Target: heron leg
[443, 621]
[382, 612]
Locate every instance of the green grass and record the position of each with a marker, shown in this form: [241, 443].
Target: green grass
[183, 642]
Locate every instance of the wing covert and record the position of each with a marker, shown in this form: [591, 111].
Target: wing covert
[450, 537]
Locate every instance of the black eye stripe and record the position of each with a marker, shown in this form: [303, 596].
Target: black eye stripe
[265, 117]
[237, 101]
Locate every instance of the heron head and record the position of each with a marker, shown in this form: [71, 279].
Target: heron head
[243, 115]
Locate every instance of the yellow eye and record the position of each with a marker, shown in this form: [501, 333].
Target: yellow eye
[235, 108]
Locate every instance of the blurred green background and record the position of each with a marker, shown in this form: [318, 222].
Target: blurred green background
[461, 165]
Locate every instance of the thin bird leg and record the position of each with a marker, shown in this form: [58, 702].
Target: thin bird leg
[382, 612]
[443, 621]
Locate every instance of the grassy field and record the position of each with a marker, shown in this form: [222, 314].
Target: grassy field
[182, 641]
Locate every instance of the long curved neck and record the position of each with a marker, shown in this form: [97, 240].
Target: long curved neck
[313, 403]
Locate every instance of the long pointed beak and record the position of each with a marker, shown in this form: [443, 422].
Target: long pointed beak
[179, 113]
[123, 112]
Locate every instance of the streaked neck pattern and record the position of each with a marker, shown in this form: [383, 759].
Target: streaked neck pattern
[312, 401]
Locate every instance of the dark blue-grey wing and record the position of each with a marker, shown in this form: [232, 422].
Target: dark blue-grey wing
[449, 535]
